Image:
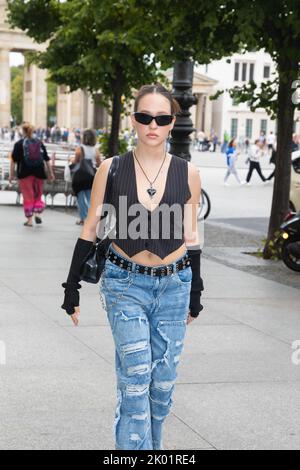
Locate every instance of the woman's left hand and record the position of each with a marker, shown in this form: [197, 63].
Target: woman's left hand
[190, 318]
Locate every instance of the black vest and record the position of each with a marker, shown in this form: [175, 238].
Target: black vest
[159, 231]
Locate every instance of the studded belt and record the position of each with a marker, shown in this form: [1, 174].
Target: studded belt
[165, 270]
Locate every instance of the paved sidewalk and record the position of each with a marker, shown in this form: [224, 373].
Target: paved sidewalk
[237, 387]
[229, 243]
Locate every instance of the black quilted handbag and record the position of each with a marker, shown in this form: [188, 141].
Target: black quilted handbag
[94, 263]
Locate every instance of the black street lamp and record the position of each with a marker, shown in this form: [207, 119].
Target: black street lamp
[180, 141]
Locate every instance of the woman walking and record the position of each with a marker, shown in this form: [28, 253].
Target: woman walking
[82, 188]
[151, 284]
[231, 154]
[255, 154]
[30, 154]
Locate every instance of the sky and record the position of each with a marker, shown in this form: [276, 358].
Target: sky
[16, 58]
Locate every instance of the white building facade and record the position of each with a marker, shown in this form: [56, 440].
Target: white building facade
[237, 119]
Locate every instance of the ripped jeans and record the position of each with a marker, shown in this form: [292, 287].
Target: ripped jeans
[147, 316]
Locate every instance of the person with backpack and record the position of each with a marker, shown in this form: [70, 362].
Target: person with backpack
[30, 155]
[86, 161]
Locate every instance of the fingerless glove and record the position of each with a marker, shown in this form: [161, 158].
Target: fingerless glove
[197, 282]
[71, 300]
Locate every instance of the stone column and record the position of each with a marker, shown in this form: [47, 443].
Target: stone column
[100, 115]
[90, 112]
[72, 108]
[208, 116]
[76, 109]
[5, 113]
[199, 110]
[3, 5]
[193, 111]
[35, 96]
[63, 110]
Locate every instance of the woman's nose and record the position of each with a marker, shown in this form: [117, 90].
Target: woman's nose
[153, 124]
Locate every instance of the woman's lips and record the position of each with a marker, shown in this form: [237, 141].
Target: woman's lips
[152, 136]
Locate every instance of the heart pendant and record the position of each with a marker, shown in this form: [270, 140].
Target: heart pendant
[151, 192]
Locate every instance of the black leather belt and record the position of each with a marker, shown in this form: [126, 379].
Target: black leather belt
[166, 270]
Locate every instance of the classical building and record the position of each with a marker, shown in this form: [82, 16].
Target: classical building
[78, 109]
[237, 119]
[35, 91]
[75, 109]
[201, 114]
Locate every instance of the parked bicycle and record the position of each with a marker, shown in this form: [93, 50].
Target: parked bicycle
[204, 206]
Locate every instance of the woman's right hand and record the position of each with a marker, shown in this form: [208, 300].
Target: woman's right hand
[75, 316]
[71, 303]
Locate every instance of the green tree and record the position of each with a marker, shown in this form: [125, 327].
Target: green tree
[213, 29]
[17, 74]
[94, 45]
[116, 46]
[278, 33]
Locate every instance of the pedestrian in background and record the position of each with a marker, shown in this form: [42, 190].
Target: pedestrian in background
[273, 161]
[225, 142]
[271, 142]
[30, 154]
[231, 155]
[262, 138]
[215, 142]
[255, 154]
[295, 143]
[82, 180]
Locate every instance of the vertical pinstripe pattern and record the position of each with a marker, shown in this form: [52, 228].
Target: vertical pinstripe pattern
[176, 191]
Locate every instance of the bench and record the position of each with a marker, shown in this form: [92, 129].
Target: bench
[59, 156]
[59, 186]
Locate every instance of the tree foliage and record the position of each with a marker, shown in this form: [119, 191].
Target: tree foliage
[274, 25]
[117, 46]
[215, 29]
[94, 45]
[17, 74]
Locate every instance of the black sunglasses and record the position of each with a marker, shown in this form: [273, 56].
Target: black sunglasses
[161, 120]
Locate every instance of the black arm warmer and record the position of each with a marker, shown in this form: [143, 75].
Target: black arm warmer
[197, 283]
[81, 250]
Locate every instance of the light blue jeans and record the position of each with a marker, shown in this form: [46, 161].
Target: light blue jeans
[147, 316]
[83, 203]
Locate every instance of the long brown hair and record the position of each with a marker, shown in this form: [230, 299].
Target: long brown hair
[157, 88]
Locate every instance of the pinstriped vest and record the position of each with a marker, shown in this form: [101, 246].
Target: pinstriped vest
[159, 231]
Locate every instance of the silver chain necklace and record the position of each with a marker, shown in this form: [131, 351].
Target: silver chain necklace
[151, 191]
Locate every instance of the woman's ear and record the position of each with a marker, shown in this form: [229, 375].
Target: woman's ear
[173, 123]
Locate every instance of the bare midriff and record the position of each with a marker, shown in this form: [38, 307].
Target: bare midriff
[146, 257]
[150, 259]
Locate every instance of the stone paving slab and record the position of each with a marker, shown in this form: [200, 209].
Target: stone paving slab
[243, 416]
[236, 388]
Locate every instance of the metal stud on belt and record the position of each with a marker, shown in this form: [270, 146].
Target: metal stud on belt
[166, 270]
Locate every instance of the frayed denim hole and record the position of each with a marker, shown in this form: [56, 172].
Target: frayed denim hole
[117, 414]
[173, 333]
